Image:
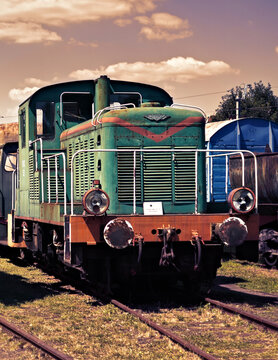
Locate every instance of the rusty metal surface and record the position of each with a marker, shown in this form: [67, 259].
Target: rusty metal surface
[87, 229]
[118, 233]
[232, 231]
[267, 175]
[34, 340]
[262, 321]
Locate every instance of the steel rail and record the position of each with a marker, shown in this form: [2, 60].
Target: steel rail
[262, 321]
[103, 299]
[56, 354]
[171, 335]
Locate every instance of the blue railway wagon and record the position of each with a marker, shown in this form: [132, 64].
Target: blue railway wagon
[252, 134]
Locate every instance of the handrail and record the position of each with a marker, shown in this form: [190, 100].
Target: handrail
[192, 107]
[210, 169]
[135, 151]
[130, 92]
[36, 161]
[14, 173]
[47, 158]
[98, 114]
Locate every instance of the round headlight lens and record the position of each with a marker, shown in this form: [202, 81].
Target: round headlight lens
[242, 200]
[95, 201]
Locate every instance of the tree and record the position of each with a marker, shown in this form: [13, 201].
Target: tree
[255, 101]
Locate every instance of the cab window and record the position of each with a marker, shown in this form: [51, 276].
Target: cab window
[77, 107]
[126, 98]
[45, 115]
[10, 162]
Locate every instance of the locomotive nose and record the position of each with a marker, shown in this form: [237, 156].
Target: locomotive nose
[232, 231]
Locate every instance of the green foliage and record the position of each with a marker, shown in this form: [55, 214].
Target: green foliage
[250, 276]
[255, 101]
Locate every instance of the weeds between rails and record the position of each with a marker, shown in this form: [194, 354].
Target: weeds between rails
[174, 307]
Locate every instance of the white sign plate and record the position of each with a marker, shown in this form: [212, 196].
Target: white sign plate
[153, 208]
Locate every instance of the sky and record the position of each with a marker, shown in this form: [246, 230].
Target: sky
[195, 49]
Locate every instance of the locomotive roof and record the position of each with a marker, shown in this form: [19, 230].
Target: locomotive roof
[116, 85]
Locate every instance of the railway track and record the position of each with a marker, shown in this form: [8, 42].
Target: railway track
[251, 317]
[187, 345]
[43, 346]
[165, 331]
[153, 324]
[162, 330]
[178, 339]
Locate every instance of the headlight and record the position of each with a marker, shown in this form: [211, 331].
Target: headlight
[95, 201]
[242, 200]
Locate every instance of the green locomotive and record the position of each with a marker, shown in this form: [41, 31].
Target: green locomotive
[110, 181]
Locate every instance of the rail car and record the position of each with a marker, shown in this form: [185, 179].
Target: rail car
[257, 135]
[110, 182]
[267, 178]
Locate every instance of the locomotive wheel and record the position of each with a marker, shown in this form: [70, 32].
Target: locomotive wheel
[26, 256]
[270, 260]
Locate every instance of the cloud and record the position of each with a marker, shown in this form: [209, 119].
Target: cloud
[25, 22]
[38, 82]
[63, 12]
[26, 33]
[20, 95]
[176, 69]
[74, 42]
[122, 22]
[33, 84]
[165, 73]
[164, 26]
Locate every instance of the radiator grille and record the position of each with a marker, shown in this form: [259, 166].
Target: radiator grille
[184, 165]
[125, 176]
[157, 174]
[161, 176]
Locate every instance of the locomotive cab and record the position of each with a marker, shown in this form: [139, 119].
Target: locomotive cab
[8, 166]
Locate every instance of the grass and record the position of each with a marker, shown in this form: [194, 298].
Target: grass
[74, 323]
[77, 325]
[218, 333]
[250, 276]
[11, 347]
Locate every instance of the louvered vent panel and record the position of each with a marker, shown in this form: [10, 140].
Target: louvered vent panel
[77, 183]
[157, 176]
[84, 168]
[70, 153]
[31, 176]
[53, 189]
[51, 163]
[33, 181]
[185, 176]
[36, 188]
[125, 176]
[91, 159]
